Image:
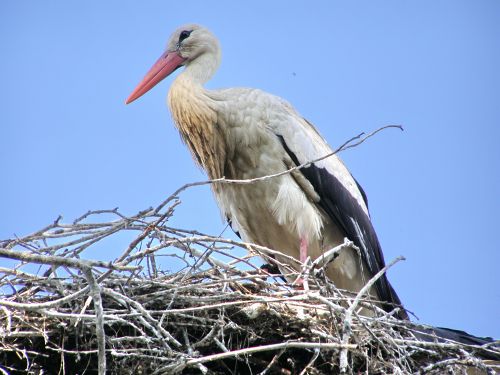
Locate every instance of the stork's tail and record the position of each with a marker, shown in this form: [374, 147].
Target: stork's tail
[488, 348]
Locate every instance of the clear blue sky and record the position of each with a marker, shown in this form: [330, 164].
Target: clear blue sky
[69, 144]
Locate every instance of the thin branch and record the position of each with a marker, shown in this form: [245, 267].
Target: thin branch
[99, 321]
[261, 348]
[55, 260]
[360, 138]
[347, 328]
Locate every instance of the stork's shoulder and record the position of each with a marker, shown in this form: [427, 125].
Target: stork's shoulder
[246, 116]
[245, 99]
[261, 111]
[275, 113]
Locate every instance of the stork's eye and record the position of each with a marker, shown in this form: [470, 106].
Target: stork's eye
[184, 34]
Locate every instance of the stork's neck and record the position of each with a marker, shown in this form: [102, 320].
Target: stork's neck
[195, 116]
[202, 68]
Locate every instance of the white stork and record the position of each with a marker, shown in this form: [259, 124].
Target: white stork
[243, 133]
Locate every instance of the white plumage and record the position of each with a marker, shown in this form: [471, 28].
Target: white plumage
[242, 133]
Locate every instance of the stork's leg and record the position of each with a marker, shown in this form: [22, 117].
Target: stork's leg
[303, 249]
[303, 257]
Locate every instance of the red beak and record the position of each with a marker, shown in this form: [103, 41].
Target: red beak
[164, 66]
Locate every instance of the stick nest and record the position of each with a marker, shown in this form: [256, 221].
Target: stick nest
[66, 307]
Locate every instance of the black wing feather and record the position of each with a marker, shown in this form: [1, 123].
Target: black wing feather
[347, 214]
[230, 223]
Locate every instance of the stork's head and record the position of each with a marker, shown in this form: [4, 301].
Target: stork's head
[190, 45]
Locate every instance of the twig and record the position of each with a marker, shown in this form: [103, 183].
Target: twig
[261, 348]
[99, 321]
[346, 332]
[55, 260]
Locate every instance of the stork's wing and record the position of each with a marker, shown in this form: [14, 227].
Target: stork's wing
[340, 195]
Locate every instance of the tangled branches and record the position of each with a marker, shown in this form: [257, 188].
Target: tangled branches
[216, 313]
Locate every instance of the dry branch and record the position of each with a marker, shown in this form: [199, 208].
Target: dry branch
[217, 314]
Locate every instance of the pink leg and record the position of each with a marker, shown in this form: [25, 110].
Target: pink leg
[301, 283]
[303, 249]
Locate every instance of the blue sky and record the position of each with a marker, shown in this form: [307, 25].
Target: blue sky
[69, 143]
